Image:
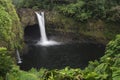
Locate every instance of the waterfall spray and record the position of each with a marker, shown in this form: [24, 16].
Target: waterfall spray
[43, 40]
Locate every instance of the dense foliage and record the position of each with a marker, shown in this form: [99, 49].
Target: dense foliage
[108, 67]
[10, 29]
[84, 10]
[43, 74]
[40, 4]
[6, 61]
[80, 10]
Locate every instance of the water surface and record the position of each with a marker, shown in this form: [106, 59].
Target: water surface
[75, 55]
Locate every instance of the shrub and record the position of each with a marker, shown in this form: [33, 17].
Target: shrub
[114, 14]
[108, 66]
[5, 61]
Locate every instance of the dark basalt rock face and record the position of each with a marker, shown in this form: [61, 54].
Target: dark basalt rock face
[61, 26]
[27, 17]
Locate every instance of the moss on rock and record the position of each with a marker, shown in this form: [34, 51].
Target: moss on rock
[10, 28]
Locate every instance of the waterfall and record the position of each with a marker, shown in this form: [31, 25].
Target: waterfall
[41, 22]
[43, 40]
[18, 57]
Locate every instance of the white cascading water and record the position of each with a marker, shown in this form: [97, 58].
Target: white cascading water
[42, 26]
[43, 40]
[18, 57]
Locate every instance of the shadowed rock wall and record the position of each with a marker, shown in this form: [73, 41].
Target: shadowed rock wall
[59, 25]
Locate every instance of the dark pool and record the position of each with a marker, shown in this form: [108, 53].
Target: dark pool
[75, 55]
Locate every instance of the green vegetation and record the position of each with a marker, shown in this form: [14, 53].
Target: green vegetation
[40, 4]
[43, 74]
[6, 61]
[10, 35]
[79, 10]
[10, 29]
[84, 10]
[107, 68]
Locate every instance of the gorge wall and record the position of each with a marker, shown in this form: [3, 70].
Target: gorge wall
[59, 25]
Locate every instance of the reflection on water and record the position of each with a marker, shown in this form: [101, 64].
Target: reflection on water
[74, 55]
